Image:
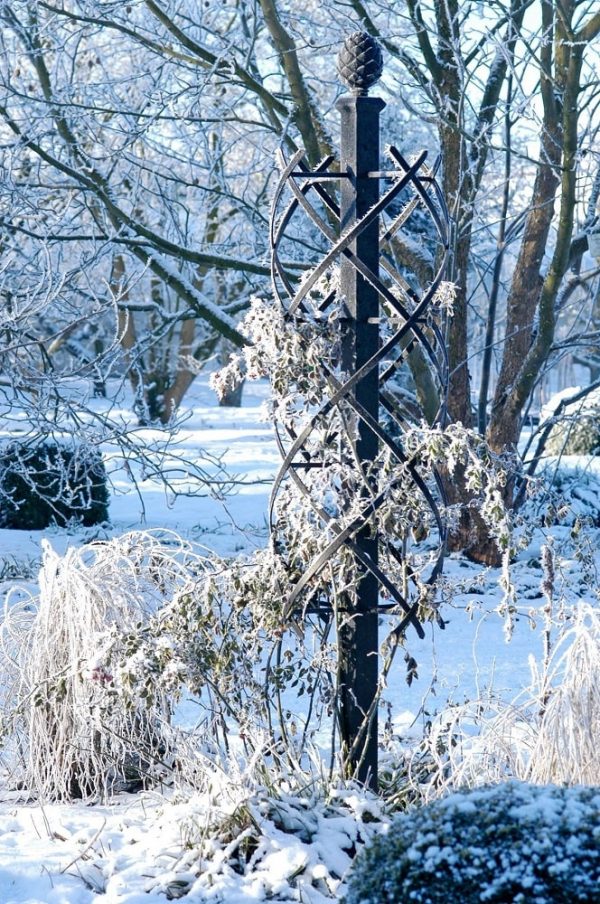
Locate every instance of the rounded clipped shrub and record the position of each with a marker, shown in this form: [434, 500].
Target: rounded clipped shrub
[518, 843]
[51, 483]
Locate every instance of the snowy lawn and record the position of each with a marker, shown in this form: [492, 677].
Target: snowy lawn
[141, 848]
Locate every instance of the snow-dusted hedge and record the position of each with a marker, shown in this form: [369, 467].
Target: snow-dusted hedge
[569, 496]
[511, 842]
[51, 483]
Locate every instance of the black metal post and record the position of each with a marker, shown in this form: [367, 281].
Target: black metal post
[360, 66]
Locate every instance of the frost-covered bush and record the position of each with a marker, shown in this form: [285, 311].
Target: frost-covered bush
[212, 637]
[517, 843]
[577, 428]
[51, 483]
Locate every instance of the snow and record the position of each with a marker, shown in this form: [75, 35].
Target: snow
[132, 850]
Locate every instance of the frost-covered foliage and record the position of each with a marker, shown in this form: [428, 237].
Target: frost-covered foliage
[577, 429]
[51, 482]
[513, 842]
[301, 357]
[547, 734]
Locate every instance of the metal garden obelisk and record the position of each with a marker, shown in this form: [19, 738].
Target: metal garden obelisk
[360, 66]
[345, 465]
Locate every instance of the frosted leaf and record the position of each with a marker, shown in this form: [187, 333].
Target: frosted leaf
[445, 296]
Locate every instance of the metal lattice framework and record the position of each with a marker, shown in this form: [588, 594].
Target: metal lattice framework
[407, 320]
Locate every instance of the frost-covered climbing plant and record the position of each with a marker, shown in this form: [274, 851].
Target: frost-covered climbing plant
[300, 354]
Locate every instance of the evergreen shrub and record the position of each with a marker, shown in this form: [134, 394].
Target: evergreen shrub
[514, 842]
[50, 482]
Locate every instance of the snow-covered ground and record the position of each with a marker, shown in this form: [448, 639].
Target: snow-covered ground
[127, 851]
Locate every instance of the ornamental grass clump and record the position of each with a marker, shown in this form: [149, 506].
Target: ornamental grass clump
[61, 707]
[548, 734]
[514, 842]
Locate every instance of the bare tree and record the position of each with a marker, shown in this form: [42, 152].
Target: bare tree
[487, 82]
[138, 144]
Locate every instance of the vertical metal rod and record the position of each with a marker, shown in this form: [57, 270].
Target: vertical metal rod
[358, 631]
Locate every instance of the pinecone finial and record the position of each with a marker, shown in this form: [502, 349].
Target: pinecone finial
[360, 62]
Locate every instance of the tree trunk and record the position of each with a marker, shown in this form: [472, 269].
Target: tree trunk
[469, 534]
[532, 297]
[524, 298]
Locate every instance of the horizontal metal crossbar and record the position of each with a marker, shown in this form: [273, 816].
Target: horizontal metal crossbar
[319, 177]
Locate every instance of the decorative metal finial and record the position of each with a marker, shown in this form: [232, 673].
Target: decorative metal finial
[360, 62]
